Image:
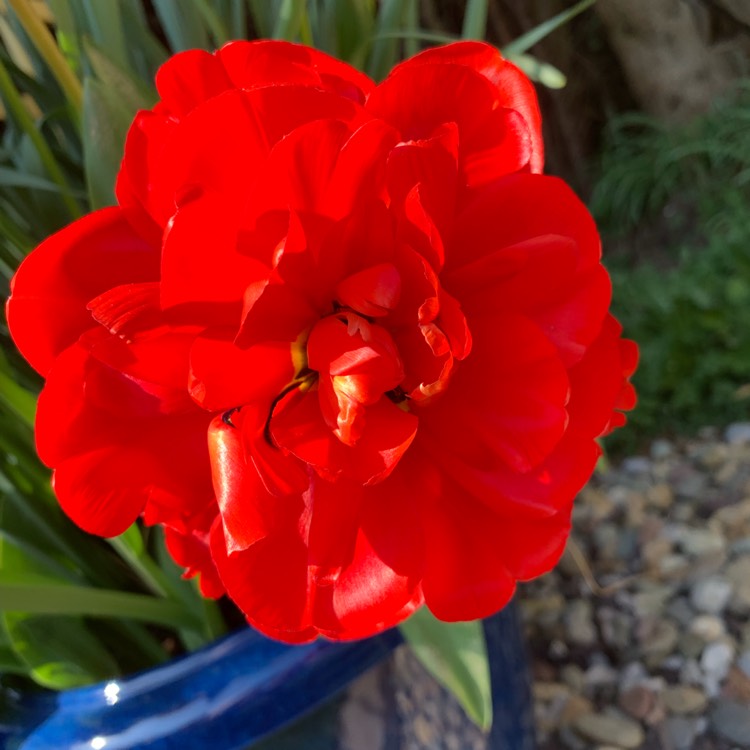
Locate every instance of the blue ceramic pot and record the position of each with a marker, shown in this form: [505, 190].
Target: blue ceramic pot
[237, 691]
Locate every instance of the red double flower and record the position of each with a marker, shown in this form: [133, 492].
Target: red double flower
[342, 340]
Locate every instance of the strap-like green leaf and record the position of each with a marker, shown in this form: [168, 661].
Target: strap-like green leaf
[455, 653]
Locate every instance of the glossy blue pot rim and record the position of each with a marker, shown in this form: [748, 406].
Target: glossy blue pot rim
[230, 694]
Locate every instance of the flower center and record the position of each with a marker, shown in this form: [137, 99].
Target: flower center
[357, 364]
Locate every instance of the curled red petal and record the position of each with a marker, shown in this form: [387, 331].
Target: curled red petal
[52, 287]
[247, 509]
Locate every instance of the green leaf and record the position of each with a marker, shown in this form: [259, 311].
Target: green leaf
[17, 399]
[106, 119]
[182, 24]
[530, 38]
[546, 74]
[105, 22]
[475, 20]
[41, 595]
[289, 20]
[59, 652]
[385, 49]
[133, 93]
[455, 653]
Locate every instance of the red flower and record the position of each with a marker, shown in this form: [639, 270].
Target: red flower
[345, 332]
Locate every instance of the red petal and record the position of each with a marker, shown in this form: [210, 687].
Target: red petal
[260, 63]
[222, 145]
[49, 293]
[223, 376]
[465, 575]
[191, 551]
[380, 586]
[544, 263]
[144, 189]
[335, 508]
[128, 309]
[247, 510]
[269, 581]
[513, 88]
[201, 262]
[100, 490]
[506, 401]
[373, 291]
[188, 79]
[298, 427]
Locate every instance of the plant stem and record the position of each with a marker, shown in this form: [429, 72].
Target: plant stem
[47, 47]
[18, 110]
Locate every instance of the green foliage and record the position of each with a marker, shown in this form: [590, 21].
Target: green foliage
[686, 298]
[455, 653]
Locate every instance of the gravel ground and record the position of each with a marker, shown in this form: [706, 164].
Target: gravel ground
[641, 636]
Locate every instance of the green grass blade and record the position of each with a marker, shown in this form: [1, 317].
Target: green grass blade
[43, 596]
[46, 46]
[289, 20]
[385, 44]
[16, 108]
[182, 24]
[475, 20]
[530, 38]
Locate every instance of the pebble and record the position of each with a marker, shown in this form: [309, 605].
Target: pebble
[579, 624]
[683, 699]
[715, 662]
[699, 542]
[638, 701]
[711, 594]
[681, 732]
[617, 730]
[731, 720]
[738, 433]
[708, 628]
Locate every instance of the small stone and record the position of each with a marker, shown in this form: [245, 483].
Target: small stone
[579, 623]
[600, 676]
[731, 720]
[738, 574]
[652, 601]
[689, 483]
[571, 739]
[708, 627]
[737, 685]
[659, 641]
[711, 594]
[699, 542]
[572, 675]
[738, 433]
[681, 732]
[680, 611]
[638, 701]
[661, 449]
[690, 673]
[744, 662]
[715, 662]
[631, 675]
[575, 706]
[620, 731]
[684, 699]
[605, 539]
[636, 465]
[691, 645]
[616, 627]
[548, 691]
[673, 567]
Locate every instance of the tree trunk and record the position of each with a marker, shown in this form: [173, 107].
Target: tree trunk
[672, 65]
